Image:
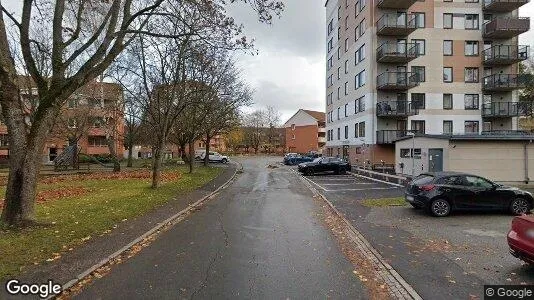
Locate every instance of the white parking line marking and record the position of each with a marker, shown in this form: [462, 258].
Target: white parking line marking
[354, 183]
[378, 180]
[368, 189]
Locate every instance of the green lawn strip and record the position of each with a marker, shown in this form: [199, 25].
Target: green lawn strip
[384, 202]
[75, 219]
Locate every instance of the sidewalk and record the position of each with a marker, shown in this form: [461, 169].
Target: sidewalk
[83, 257]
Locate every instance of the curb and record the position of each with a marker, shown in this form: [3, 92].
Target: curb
[400, 289]
[158, 226]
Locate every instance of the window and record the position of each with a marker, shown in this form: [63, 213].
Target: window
[338, 33]
[346, 132]
[346, 88]
[418, 126]
[447, 127]
[346, 22]
[471, 126]
[293, 137]
[447, 21]
[338, 73]
[447, 47]
[4, 140]
[98, 122]
[346, 110]
[346, 45]
[97, 141]
[338, 93]
[419, 19]
[356, 33]
[359, 105]
[407, 153]
[356, 130]
[360, 5]
[471, 101]
[329, 63]
[471, 75]
[418, 100]
[447, 74]
[338, 113]
[346, 66]
[471, 21]
[419, 73]
[419, 46]
[471, 48]
[338, 133]
[477, 182]
[330, 45]
[447, 101]
[361, 129]
[359, 80]
[330, 26]
[359, 55]
[362, 27]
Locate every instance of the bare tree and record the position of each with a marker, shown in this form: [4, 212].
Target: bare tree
[66, 44]
[254, 127]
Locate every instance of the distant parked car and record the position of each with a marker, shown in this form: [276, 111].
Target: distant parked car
[288, 156]
[521, 238]
[442, 192]
[325, 164]
[298, 159]
[215, 157]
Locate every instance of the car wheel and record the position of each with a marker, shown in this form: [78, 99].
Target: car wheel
[440, 208]
[519, 206]
[343, 171]
[224, 160]
[308, 172]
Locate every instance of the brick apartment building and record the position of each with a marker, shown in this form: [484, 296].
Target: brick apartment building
[305, 131]
[91, 114]
[429, 67]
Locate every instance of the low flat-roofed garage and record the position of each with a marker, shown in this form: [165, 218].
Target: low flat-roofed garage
[505, 159]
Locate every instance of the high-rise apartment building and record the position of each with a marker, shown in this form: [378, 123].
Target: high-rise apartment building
[428, 66]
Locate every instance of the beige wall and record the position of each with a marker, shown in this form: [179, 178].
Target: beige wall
[421, 164]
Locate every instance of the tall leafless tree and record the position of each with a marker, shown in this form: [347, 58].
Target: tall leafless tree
[66, 44]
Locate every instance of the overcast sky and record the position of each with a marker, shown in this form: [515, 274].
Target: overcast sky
[289, 71]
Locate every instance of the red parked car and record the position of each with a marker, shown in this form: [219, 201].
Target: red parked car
[521, 238]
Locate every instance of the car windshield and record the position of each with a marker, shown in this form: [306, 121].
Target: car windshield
[423, 179]
[317, 160]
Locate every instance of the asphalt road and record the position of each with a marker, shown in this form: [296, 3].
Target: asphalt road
[442, 258]
[258, 239]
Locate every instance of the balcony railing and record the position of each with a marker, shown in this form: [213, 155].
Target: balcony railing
[507, 132]
[396, 52]
[396, 81]
[390, 136]
[503, 5]
[395, 24]
[500, 28]
[505, 54]
[395, 109]
[505, 82]
[402, 4]
[506, 109]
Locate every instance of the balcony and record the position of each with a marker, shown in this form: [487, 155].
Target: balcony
[504, 55]
[396, 4]
[505, 28]
[395, 109]
[505, 82]
[503, 5]
[507, 133]
[506, 109]
[401, 53]
[395, 24]
[384, 137]
[396, 81]
[321, 140]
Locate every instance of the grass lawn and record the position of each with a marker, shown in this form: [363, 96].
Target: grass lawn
[384, 202]
[76, 218]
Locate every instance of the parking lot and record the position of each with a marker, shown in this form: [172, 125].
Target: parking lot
[452, 257]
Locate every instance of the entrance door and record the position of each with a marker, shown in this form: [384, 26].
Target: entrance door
[52, 154]
[435, 160]
[346, 152]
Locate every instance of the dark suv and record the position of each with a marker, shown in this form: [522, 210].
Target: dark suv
[442, 192]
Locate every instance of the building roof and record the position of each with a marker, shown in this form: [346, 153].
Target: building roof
[318, 115]
[476, 137]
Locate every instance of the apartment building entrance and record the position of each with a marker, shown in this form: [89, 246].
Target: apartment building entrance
[435, 160]
[52, 154]
[346, 152]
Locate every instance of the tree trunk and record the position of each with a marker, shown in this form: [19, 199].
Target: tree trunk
[157, 162]
[183, 153]
[113, 152]
[191, 156]
[130, 154]
[207, 156]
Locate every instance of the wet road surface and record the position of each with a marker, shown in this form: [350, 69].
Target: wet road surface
[260, 238]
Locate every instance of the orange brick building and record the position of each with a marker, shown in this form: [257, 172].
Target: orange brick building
[305, 131]
[91, 115]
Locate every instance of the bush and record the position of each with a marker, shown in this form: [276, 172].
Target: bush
[102, 158]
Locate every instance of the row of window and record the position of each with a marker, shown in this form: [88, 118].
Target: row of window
[359, 106]
[469, 126]
[359, 131]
